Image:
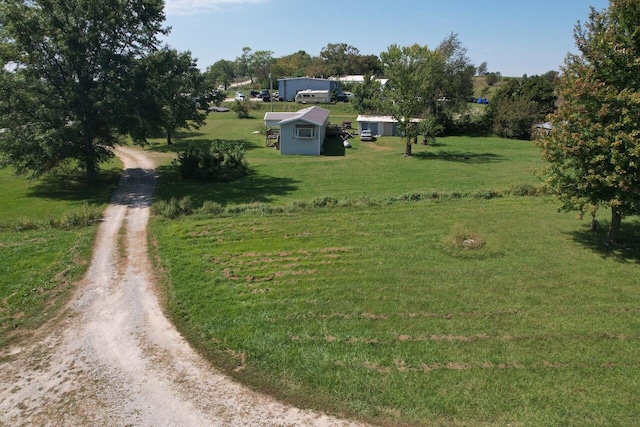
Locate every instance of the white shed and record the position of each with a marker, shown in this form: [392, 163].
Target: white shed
[302, 132]
[378, 125]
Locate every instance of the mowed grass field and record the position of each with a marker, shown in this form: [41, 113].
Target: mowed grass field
[473, 306]
[43, 254]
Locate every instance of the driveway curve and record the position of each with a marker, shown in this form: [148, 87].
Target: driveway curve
[113, 358]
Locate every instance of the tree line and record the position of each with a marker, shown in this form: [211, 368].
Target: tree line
[335, 59]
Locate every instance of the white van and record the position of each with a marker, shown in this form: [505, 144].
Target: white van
[313, 97]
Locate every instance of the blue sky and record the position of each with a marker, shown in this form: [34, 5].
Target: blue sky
[514, 37]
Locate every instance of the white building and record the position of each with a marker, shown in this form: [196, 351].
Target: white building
[302, 132]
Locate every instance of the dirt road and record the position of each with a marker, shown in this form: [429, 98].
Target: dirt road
[113, 359]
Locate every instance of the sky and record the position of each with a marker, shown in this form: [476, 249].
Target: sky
[514, 37]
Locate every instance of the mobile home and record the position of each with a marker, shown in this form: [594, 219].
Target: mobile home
[313, 97]
[301, 133]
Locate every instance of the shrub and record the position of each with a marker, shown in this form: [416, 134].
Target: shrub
[486, 194]
[173, 208]
[87, 215]
[223, 162]
[241, 109]
[524, 190]
[324, 201]
[211, 208]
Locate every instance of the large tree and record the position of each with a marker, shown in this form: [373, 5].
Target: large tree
[519, 104]
[425, 86]
[294, 65]
[243, 64]
[367, 65]
[220, 73]
[368, 96]
[261, 61]
[175, 83]
[340, 58]
[593, 153]
[66, 78]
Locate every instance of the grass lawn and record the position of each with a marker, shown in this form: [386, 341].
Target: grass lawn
[42, 262]
[378, 169]
[385, 313]
[454, 311]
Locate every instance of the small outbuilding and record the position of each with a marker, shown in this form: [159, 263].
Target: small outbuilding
[378, 125]
[302, 132]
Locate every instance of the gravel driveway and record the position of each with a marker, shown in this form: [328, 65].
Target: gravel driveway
[113, 359]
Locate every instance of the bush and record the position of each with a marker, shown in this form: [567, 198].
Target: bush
[173, 208]
[86, 216]
[211, 208]
[241, 109]
[524, 190]
[324, 201]
[222, 163]
[468, 124]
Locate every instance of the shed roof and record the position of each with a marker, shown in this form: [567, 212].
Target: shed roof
[356, 79]
[312, 115]
[304, 78]
[378, 119]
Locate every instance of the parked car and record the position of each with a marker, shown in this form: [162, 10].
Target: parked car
[366, 135]
[349, 95]
[240, 96]
[341, 97]
[254, 93]
[276, 96]
[263, 93]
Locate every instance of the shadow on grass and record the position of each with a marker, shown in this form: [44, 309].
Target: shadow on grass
[333, 147]
[627, 249]
[253, 188]
[448, 156]
[75, 188]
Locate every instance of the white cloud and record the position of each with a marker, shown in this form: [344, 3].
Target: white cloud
[192, 7]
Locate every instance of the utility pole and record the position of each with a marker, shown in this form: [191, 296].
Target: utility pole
[271, 91]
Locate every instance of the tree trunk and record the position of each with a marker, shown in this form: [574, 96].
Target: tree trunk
[169, 142]
[92, 173]
[407, 150]
[614, 228]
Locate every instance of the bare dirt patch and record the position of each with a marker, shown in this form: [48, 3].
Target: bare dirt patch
[112, 357]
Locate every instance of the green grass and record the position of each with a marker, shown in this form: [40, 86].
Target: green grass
[452, 311]
[454, 164]
[456, 310]
[42, 256]
[385, 313]
[39, 269]
[52, 196]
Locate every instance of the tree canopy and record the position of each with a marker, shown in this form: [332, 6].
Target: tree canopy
[368, 96]
[174, 82]
[67, 78]
[519, 104]
[220, 73]
[593, 155]
[425, 86]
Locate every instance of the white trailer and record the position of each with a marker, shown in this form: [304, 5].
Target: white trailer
[313, 97]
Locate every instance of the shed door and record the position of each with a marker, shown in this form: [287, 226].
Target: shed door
[373, 127]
